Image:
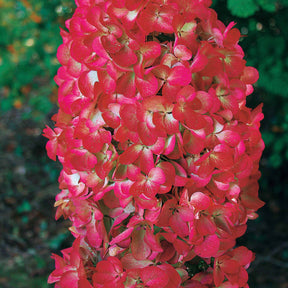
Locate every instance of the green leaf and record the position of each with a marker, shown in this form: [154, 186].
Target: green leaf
[267, 5]
[6, 104]
[284, 2]
[24, 207]
[214, 3]
[242, 8]
[56, 242]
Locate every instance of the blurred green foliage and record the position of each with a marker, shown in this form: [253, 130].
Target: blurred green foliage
[29, 39]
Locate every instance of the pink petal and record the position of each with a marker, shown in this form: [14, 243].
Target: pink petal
[243, 255]
[79, 51]
[69, 279]
[186, 213]
[198, 63]
[209, 247]
[140, 249]
[200, 201]
[145, 202]
[250, 75]
[126, 85]
[128, 116]
[104, 272]
[125, 57]
[110, 44]
[218, 275]
[169, 172]
[145, 134]
[154, 277]
[182, 52]
[229, 137]
[179, 76]
[170, 144]
[147, 86]
[146, 160]
[193, 144]
[178, 225]
[151, 240]
[150, 189]
[150, 50]
[122, 236]
[129, 262]
[230, 266]
[111, 119]
[157, 175]
[131, 154]
[99, 49]
[133, 172]
[205, 226]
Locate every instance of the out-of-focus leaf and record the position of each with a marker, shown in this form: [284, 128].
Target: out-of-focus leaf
[24, 207]
[268, 5]
[242, 8]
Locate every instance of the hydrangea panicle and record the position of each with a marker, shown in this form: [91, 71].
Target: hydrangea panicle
[160, 154]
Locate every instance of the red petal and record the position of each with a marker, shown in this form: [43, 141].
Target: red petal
[105, 272]
[243, 255]
[152, 241]
[111, 119]
[150, 50]
[125, 57]
[129, 262]
[179, 76]
[232, 37]
[126, 85]
[128, 116]
[69, 279]
[154, 277]
[84, 283]
[250, 75]
[223, 156]
[147, 86]
[79, 51]
[199, 63]
[200, 201]
[205, 225]
[145, 134]
[230, 266]
[174, 277]
[146, 160]
[99, 49]
[140, 249]
[192, 143]
[218, 275]
[229, 137]
[178, 225]
[157, 175]
[122, 236]
[131, 154]
[169, 172]
[182, 52]
[110, 44]
[209, 247]
[242, 277]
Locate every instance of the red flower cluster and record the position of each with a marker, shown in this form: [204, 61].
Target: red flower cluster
[160, 154]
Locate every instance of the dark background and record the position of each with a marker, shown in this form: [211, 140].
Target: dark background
[29, 39]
